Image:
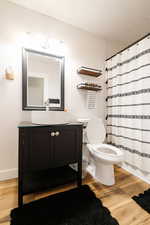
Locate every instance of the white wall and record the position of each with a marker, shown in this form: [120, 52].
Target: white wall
[83, 49]
[113, 47]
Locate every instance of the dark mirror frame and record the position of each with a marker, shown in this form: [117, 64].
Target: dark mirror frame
[25, 105]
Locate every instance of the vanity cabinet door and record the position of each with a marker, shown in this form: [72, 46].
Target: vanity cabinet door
[66, 145]
[38, 149]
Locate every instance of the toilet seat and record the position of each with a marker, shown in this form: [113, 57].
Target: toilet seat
[106, 152]
[96, 135]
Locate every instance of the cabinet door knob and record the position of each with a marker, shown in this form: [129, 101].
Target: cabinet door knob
[57, 133]
[52, 134]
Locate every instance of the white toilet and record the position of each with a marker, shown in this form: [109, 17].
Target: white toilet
[102, 156]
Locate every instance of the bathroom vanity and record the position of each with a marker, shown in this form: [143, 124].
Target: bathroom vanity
[45, 153]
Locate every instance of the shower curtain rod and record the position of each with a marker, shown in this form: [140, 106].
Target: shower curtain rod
[128, 46]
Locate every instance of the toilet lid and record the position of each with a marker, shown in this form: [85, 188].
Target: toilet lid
[96, 131]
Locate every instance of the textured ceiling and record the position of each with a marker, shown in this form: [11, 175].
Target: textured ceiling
[122, 20]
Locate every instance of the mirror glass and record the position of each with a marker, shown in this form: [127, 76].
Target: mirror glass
[43, 81]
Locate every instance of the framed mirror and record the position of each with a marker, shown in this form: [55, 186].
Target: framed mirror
[42, 81]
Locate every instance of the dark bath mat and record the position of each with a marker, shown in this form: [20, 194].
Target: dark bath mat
[78, 206]
[143, 200]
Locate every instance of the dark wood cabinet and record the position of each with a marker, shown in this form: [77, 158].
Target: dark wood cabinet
[65, 146]
[38, 149]
[45, 153]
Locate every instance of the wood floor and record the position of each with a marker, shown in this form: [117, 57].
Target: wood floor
[117, 198]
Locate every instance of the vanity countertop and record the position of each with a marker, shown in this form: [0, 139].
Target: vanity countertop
[30, 124]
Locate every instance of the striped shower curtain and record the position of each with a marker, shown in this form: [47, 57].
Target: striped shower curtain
[128, 103]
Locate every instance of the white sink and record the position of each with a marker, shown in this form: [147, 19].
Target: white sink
[52, 117]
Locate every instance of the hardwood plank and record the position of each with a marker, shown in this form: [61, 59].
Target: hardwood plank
[129, 213]
[135, 188]
[117, 197]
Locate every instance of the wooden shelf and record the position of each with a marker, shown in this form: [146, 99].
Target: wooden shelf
[89, 71]
[89, 88]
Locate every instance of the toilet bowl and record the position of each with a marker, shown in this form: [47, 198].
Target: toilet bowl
[102, 156]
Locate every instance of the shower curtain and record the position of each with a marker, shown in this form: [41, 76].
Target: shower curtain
[128, 103]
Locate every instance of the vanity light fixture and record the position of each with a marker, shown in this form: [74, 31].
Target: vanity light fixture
[40, 42]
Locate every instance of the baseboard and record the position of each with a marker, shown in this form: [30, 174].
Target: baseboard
[8, 174]
[136, 173]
